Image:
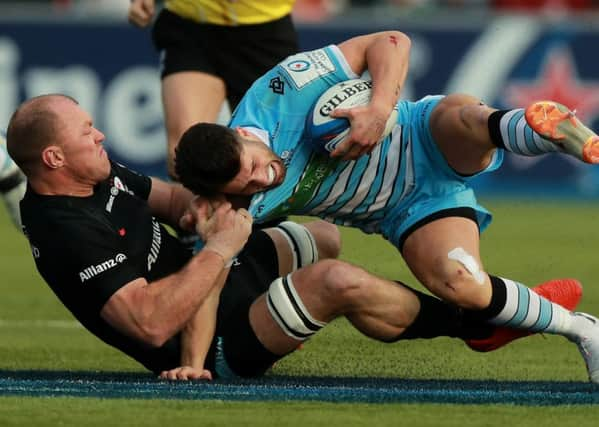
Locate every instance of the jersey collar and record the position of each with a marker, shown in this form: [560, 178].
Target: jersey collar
[261, 134]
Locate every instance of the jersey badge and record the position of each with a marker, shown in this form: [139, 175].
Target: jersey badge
[286, 157]
[298, 65]
[306, 67]
[277, 85]
[119, 184]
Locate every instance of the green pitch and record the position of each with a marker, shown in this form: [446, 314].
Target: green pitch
[527, 242]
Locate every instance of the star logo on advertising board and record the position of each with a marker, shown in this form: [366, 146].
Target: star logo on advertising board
[557, 81]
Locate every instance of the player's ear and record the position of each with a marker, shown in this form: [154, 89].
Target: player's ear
[242, 132]
[53, 157]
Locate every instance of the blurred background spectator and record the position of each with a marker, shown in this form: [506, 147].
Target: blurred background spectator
[504, 51]
[322, 10]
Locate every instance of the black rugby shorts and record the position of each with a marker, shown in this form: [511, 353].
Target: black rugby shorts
[253, 272]
[236, 54]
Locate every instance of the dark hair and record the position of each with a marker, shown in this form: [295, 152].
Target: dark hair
[207, 158]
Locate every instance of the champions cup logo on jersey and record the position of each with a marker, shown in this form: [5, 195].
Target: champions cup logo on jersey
[306, 67]
[94, 270]
[299, 65]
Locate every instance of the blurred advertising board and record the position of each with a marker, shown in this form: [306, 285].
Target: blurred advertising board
[112, 70]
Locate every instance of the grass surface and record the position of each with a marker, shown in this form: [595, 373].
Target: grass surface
[95, 412]
[527, 242]
[53, 412]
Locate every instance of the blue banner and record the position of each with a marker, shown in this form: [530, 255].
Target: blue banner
[112, 69]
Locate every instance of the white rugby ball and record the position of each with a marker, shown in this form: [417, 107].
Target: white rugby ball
[324, 132]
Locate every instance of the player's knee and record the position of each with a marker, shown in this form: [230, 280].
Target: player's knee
[474, 118]
[463, 111]
[459, 281]
[329, 241]
[327, 238]
[343, 283]
[458, 100]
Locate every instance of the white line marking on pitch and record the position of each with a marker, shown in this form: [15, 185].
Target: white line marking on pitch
[57, 324]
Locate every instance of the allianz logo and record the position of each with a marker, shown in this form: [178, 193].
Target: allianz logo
[94, 270]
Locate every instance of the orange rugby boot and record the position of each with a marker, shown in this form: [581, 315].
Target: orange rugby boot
[556, 123]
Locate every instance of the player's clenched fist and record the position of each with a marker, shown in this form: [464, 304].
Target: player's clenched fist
[223, 229]
[367, 127]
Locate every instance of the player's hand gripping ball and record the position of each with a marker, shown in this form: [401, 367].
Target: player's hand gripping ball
[324, 132]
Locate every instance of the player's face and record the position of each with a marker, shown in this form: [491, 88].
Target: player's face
[260, 170]
[85, 157]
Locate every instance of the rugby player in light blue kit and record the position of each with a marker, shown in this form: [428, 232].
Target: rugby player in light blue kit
[412, 187]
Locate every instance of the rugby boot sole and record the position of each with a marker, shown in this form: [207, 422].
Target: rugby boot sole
[556, 123]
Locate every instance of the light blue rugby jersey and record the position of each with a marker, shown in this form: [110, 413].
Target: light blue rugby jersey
[354, 193]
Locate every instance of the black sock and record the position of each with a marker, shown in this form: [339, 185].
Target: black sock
[494, 130]
[438, 318]
[498, 301]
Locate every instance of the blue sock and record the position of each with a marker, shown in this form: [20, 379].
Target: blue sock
[509, 130]
[525, 309]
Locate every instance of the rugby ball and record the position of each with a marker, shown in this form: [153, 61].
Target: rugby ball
[324, 132]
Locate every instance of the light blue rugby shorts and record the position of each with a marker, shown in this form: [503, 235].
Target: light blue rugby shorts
[436, 187]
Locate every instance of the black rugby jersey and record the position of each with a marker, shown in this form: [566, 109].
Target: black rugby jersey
[87, 248]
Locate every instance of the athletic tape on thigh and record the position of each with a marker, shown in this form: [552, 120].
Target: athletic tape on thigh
[288, 310]
[301, 241]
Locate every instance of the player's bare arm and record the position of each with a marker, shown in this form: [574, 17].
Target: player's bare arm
[169, 201]
[154, 312]
[386, 56]
[198, 333]
[196, 337]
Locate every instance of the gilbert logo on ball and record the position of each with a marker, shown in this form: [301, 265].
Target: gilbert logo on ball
[325, 132]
